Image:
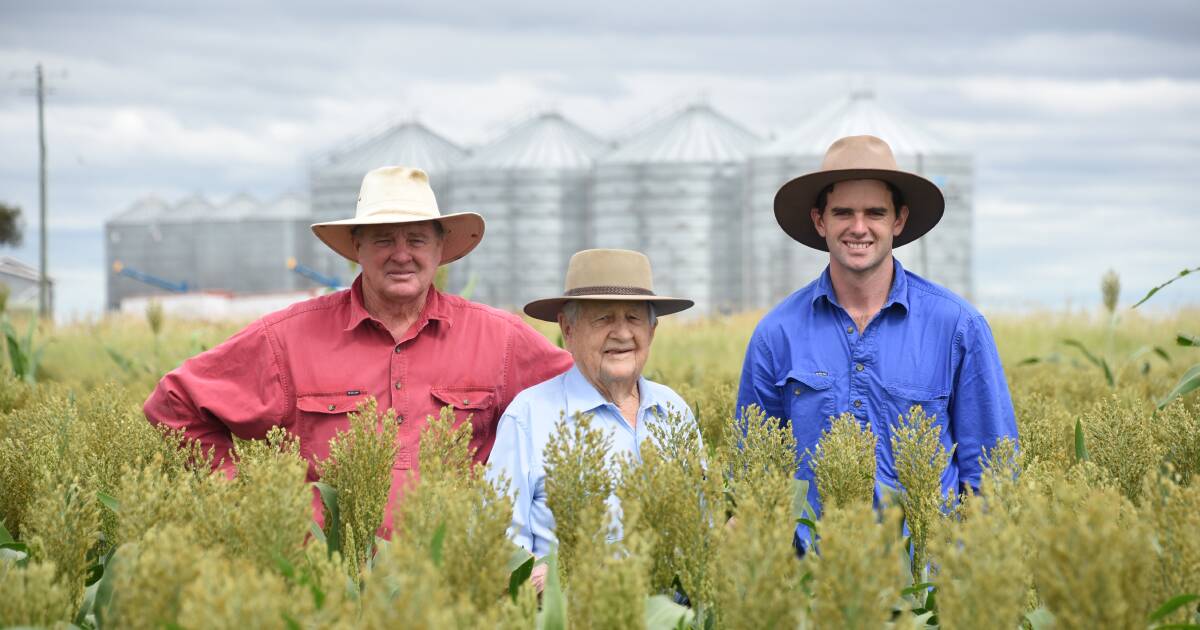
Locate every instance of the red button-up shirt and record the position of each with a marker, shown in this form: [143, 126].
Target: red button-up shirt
[304, 367]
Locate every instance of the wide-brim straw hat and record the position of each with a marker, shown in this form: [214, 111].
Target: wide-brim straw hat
[857, 157]
[607, 275]
[399, 194]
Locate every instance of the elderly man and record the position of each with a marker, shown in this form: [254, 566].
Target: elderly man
[607, 315]
[392, 336]
[867, 336]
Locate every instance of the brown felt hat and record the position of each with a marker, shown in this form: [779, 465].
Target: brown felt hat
[607, 274]
[399, 194]
[857, 157]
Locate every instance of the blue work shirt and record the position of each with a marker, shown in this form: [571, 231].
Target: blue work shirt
[529, 422]
[808, 362]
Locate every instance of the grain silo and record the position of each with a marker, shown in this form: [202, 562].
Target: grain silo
[675, 191]
[775, 265]
[130, 238]
[336, 177]
[532, 186]
[214, 236]
[265, 238]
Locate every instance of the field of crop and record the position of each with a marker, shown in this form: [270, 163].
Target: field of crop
[1093, 522]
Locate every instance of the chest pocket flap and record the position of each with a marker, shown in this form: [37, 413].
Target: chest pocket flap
[812, 380]
[329, 403]
[466, 397]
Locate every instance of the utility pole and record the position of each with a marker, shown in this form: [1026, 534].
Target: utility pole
[43, 283]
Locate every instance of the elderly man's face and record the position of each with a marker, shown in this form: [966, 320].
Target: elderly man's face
[859, 224]
[610, 341]
[398, 260]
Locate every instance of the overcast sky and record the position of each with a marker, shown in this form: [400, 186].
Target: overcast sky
[1083, 117]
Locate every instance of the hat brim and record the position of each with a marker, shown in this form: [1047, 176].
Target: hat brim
[547, 309]
[796, 199]
[462, 232]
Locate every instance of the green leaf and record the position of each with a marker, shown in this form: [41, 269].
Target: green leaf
[520, 576]
[1040, 619]
[333, 521]
[800, 506]
[1185, 340]
[1029, 360]
[109, 502]
[1092, 358]
[662, 613]
[316, 532]
[5, 537]
[1081, 454]
[1171, 605]
[1157, 288]
[104, 588]
[1162, 354]
[436, 545]
[553, 615]
[1187, 383]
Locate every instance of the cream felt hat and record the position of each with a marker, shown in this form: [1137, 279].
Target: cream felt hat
[399, 194]
[857, 157]
[607, 274]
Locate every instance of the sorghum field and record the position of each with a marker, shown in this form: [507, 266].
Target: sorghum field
[1093, 522]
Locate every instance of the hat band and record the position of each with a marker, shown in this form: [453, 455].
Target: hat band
[607, 290]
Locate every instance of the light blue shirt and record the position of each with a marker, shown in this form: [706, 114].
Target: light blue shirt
[526, 428]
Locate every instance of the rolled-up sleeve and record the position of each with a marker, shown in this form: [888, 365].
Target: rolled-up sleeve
[236, 388]
[981, 408]
[510, 459]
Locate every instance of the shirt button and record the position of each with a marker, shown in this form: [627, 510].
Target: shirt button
[849, 331]
[466, 402]
[397, 349]
[332, 407]
[398, 385]
[859, 367]
[857, 404]
[399, 419]
[797, 391]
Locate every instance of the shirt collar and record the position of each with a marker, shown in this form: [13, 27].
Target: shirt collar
[582, 396]
[435, 308]
[898, 294]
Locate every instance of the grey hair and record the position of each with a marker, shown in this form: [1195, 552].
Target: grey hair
[571, 308]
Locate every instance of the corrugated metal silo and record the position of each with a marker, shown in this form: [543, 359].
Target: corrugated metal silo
[675, 191]
[336, 177]
[532, 186]
[775, 265]
[264, 240]
[214, 237]
[130, 238]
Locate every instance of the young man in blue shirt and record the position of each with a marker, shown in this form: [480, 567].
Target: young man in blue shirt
[867, 336]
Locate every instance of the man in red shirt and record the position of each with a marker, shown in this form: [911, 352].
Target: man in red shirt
[391, 335]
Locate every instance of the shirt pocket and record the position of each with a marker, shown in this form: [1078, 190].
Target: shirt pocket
[474, 403]
[809, 398]
[320, 416]
[901, 398]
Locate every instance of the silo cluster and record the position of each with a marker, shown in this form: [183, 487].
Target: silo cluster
[694, 190]
[239, 246]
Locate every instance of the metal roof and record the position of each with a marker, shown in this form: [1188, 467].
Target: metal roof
[698, 133]
[546, 141]
[856, 114]
[286, 206]
[236, 207]
[191, 208]
[409, 144]
[143, 210]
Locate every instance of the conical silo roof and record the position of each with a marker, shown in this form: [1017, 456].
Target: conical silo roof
[191, 208]
[144, 210]
[697, 134]
[856, 114]
[547, 141]
[409, 143]
[236, 207]
[290, 205]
